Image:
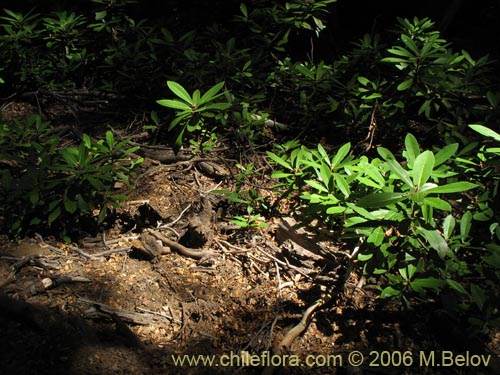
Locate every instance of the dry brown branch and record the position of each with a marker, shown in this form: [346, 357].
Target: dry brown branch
[101, 254]
[183, 250]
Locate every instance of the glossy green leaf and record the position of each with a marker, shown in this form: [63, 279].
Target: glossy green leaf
[437, 203]
[86, 140]
[487, 132]
[389, 292]
[400, 172]
[448, 226]
[216, 106]
[325, 174]
[376, 237]
[454, 187]
[305, 71]
[405, 85]
[465, 225]
[244, 10]
[445, 154]
[398, 51]
[335, 210]
[341, 154]
[196, 98]
[456, 286]
[412, 149]
[363, 80]
[110, 139]
[383, 199]
[385, 153]
[278, 160]
[174, 104]
[410, 44]
[324, 154]
[316, 185]
[211, 94]
[54, 215]
[419, 284]
[422, 168]
[436, 241]
[180, 91]
[342, 184]
[69, 204]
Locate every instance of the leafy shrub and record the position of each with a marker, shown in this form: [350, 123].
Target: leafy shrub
[395, 213]
[417, 81]
[197, 114]
[43, 185]
[99, 49]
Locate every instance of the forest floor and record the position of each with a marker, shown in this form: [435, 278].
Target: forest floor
[173, 281]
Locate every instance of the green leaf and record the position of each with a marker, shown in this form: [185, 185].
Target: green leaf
[412, 149]
[211, 93]
[422, 168]
[363, 80]
[175, 104]
[398, 51]
[69, 204]
[180, 91]
[215, 106]
[454, 187]
[389, 292]
[383, 199]
[445, 154]
[305, 71]
[316, 185]
[487, 132]
[400, 172]
[376, 237]
[86, 140]
[428, 282]
[394, 60]
[465, 225]
[385, 153]
[335, 210]
[437, 203]
[54, 215]
[110, 139]
[410, 44]
[100, 15]
[436, 241]
[405, 85]
[342, 184]
[456, 286]
[324, 154]
[278, 160]
[341, 154]
[281, 174]
[196, 98]
[448, 226]
[244, 10]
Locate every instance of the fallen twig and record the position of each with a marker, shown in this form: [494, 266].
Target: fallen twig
[286, 342]
[186, 251]
[126, 316]
[101, 254]
[47, 283]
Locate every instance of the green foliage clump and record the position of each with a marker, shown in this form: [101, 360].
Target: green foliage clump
[416, 81]
[197, 114]
[44, 186]
[100, 49]
[401, 219]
